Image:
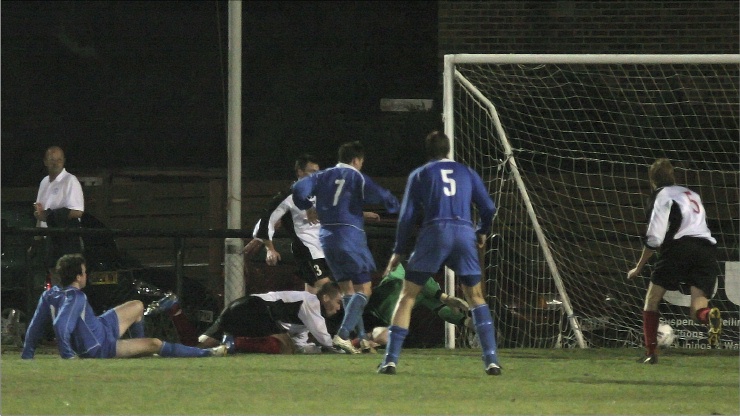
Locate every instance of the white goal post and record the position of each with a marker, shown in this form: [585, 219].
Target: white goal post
[564, 142]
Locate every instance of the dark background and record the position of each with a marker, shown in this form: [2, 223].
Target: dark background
[143, 84]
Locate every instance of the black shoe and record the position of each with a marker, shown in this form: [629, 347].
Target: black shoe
[389, 368]
[648, 359]
[493, 369]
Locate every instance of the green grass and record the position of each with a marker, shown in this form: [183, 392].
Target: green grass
[429, 381]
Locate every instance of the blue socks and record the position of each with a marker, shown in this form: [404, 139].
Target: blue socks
[345, 302]
[136, 330]
[345, 306]
[484, 327]
[171, 349]
[360, 327]
[352, 314]
[396, 336]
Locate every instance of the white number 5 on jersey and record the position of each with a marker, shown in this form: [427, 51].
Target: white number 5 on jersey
[449, 191]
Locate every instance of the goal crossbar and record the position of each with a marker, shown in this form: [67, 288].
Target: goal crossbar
[647, 59]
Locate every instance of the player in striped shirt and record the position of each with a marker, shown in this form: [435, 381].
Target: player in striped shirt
[257, 322]
[305, 245]
[441, 193]
[677, 230]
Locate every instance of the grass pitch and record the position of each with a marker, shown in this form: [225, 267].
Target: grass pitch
[429, 381]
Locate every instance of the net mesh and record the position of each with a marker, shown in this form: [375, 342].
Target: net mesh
[583, 137]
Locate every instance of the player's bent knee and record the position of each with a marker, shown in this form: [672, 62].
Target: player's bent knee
[152, 346]
[133, 306]
[139, 305]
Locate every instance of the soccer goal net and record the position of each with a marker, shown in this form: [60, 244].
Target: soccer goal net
[564, 143]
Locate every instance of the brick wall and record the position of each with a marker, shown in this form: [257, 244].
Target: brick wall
[588, 27]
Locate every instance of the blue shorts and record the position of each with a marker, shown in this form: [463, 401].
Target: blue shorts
[445, 244]
[347, 254]
[106, 347]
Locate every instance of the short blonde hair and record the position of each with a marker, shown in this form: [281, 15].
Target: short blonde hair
[661, 173]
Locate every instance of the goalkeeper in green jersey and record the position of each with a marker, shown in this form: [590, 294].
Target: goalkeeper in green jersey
[379, 309]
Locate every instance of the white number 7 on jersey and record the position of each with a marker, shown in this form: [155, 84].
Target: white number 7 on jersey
[451, 190]
[340, 185]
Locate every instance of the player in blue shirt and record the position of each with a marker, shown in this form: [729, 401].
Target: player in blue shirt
[81, 334]
[441, 192]
[341, 192]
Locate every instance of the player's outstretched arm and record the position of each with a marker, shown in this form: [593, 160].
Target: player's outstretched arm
[647, 253]
[252, 248]
[36, 328]
[273, 256]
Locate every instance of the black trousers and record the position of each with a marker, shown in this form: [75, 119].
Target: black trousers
[248, 316]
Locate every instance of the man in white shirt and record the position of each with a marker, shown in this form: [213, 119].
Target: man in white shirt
[60, 203]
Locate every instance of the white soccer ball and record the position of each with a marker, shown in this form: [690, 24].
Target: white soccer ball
[665, 335]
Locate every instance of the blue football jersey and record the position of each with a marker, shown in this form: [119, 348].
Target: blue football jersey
[341, 192]
[76, 327]
[443, 191]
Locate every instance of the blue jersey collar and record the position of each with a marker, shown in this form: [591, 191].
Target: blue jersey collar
[344, 165]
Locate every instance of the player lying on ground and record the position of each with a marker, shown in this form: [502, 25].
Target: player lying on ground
[379, 309]
[272, 323]
[79, 333]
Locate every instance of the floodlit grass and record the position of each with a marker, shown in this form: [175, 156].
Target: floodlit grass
[429, 381]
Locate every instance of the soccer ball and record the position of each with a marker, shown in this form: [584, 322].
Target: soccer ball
[665, 335]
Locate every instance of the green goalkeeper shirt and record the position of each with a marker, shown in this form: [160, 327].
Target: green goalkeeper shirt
[383, 301]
